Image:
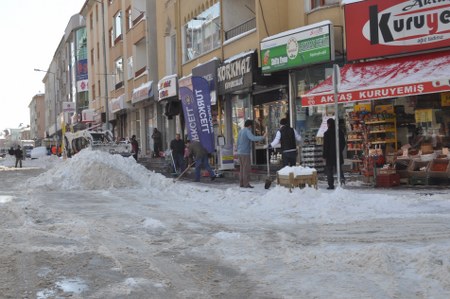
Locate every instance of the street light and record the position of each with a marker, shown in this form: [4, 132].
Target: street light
[105, 69]
[55, 99]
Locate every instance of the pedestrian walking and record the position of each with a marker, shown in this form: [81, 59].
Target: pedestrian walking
[157, 143]
[245, 138]
[329, 152]
[177, 146]
[201, 159]
[134, 147]
[18, 153]
[288, 138]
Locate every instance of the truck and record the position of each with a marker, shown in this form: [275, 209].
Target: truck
[27, 146]
[95, 139]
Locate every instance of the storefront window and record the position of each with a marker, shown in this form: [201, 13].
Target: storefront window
[240, 112]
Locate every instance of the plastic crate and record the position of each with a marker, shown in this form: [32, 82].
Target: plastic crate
[439, 168]
[388, 180]
[418, 169]
[414, 180]
[401, 167]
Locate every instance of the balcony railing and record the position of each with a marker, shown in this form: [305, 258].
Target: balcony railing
[244, 27]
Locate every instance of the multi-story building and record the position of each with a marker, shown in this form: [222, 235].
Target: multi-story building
[222, 41]
[122, 67]
[65, 82]
[37, 119]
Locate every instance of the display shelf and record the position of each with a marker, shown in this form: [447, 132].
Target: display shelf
[311, 154]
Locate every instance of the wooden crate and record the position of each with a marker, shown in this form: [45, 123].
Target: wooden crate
[388, 180]
[292, 181]
[439, 168]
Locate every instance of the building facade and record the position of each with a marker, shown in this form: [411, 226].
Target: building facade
[37, 120]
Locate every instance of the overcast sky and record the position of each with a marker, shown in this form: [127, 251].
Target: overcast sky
[31, 31]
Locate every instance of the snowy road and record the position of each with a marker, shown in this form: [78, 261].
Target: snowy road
[206, 241]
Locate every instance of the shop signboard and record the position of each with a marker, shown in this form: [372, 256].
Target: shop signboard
[167, 87]
[445, 99]
[208, 71]
[296, 48]
[236, 73]
[381, 28]
[196, 104]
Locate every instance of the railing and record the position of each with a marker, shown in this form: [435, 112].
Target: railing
[244, 27]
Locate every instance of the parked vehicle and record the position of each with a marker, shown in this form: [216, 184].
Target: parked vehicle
[27, 146]
[95, 139]
[38, 152]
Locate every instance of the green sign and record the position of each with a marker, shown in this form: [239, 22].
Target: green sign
[296, 50]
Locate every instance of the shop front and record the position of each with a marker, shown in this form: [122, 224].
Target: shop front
[169, 103]
[236, 83]
[142, 99]
[119, 108]
[395, 109]
[303, 56]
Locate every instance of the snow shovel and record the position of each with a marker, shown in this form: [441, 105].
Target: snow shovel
[268, 179]
[184, 171]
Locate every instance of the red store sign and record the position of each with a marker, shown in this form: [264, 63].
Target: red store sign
[377, 28]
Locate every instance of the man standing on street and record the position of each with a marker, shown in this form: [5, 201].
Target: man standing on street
[245, 137]
[18, 153]
[288, 138]
[177, 147]
[201, 159]
[134, 147]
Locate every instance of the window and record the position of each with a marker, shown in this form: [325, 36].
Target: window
[92, 56]
[118, 78]
[319, 3]
[93, 91]
[91, 21]
[128, 19]
[202, 33]
[118, 25]
[130, 67]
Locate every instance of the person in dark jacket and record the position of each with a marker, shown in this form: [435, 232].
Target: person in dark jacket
[134, 147]
[177, 146]
[201, 159]
[329, 152]
[287, 137]
[19, 156]
[157, 143]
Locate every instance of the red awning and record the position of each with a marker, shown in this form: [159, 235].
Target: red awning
[388, 78]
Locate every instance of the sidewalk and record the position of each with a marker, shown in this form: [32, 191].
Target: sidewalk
[259, 175]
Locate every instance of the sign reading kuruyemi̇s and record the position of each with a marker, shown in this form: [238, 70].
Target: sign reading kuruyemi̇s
[298, 47]
[381, 28]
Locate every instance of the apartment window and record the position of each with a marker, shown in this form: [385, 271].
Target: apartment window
[99, 87]
[118, 25]
[91, 21]
[130, 67]
[96, 13]
[93, 91]
[202, 34]
[320, 3]
[118, 78]
[98, 51]
[92, 56]
[128, 19]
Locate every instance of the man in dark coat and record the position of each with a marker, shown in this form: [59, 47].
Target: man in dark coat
[288, 138]
[157, 143]
[329, 152]
[19, 156]
[201, 159]
[134, 147]
[177, 146]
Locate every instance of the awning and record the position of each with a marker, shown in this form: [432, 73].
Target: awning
[388, 78]
[118, 104]
[143, 92]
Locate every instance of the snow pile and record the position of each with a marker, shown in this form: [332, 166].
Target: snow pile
[97, 170]
[296, 170]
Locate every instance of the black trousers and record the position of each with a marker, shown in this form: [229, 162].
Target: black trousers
[330, 170]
